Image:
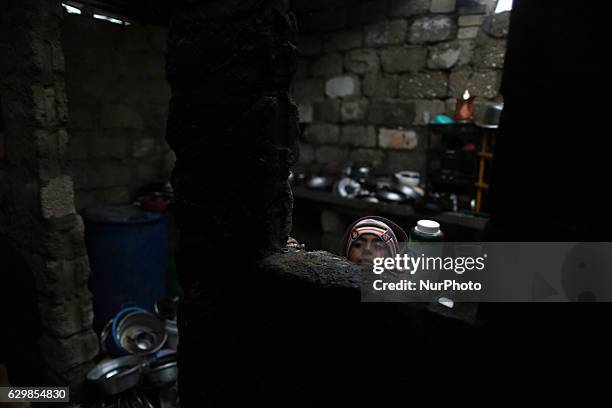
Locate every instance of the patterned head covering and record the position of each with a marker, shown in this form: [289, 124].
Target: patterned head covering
[373, 227]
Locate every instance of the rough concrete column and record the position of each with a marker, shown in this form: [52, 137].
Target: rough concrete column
[36, 189]
[232, 124]
[234, 130]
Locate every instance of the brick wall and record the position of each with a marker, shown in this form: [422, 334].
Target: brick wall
[373, 74]
[118, 100]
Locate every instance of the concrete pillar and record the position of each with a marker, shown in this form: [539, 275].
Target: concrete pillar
[232, 124]
[234, 128]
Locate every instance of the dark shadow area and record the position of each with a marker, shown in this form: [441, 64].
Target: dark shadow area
[249, 104]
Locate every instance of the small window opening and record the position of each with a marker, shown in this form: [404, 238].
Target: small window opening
[503, 5]
[72, 7]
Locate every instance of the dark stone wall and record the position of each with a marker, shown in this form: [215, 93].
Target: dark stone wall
[552, 159]
[118, 99]
[373, 74]
[37, 213]
[549, 184]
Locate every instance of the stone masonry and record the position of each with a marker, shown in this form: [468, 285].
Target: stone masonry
[37, 211]
[118, 99]
[371, 73]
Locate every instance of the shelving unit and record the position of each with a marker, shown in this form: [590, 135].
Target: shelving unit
[485, 158]
[459, 159]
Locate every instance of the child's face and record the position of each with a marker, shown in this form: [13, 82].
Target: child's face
[366, 248]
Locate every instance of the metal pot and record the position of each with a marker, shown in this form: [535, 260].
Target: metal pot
[106, 332]
[408, 192]
[112, 345]
[117, 375]
[370, 199]
[347, 187]
[408, 178]
[491, 116]
[173, 336]
[362, 173]
[162, 371]
[320, 183]
[141, 333]
[392, 196]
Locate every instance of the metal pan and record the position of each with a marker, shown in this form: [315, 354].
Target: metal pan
[162, 371]
[391, 196]
[116, 375]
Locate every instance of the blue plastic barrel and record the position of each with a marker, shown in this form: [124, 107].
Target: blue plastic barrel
[127, 256]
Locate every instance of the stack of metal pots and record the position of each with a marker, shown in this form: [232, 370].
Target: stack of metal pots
[139, 367]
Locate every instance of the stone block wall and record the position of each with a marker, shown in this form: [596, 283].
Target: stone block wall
[118, 99]
[372, 74]
[37, 211]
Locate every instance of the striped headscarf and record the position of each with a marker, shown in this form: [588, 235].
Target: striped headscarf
[373, 227]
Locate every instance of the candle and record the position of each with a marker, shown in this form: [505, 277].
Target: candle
[464, 111]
